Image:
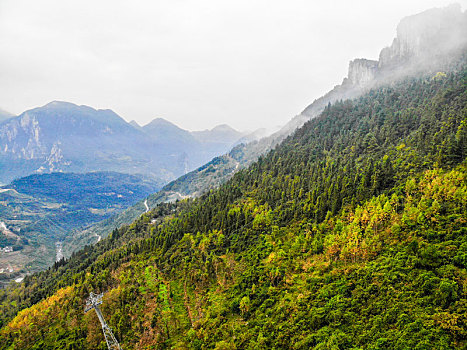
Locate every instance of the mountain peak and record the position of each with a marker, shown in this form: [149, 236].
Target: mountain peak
[163, 131]
[223, 128]
[135, 124]
[159, 121]
[69, 106]
[60, 104]
[222, 133]
[162, 124]
[69, 109]
[65, 106]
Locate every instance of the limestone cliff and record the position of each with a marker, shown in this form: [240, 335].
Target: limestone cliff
[424, 42]
[428, 35]
[362, 71]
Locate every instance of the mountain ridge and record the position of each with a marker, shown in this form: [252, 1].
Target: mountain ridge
[427, 49]
[62, 136]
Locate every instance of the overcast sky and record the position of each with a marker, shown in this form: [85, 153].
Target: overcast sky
[198, 63]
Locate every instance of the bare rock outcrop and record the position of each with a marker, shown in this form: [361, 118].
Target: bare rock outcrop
[427, 41]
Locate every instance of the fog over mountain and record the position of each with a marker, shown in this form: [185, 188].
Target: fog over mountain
[425, 53]
[428, 41]
[345, 229]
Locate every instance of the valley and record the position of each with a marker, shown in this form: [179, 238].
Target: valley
[48, 208]
[39, 212]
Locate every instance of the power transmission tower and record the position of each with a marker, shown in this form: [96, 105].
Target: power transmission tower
[93, 302]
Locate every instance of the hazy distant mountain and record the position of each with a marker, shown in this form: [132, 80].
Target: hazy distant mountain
[61, 136]
[4, 115]
[164, 132]
[219, 134]
[254, 136]
[220, 137]
[194, 147]
[135, 124]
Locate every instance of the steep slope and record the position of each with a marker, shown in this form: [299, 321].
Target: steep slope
[430, 48]
[135, 124]
[424, 42]
[351, 233]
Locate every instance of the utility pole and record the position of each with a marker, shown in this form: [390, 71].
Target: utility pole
[93, 302]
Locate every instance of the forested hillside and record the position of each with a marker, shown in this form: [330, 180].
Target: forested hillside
[350, 234]
[430, 41]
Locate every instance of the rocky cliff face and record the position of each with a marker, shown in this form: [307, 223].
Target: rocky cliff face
[423, 41]
[426, 41]
[61, 136]
[27, 130]
[362, 71]
[428, 35]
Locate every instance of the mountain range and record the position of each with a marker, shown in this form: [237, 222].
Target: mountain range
[173, 141]
[349, 234]
[61, 136]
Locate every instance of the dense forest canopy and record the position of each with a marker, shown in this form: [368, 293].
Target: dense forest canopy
[350, 234]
